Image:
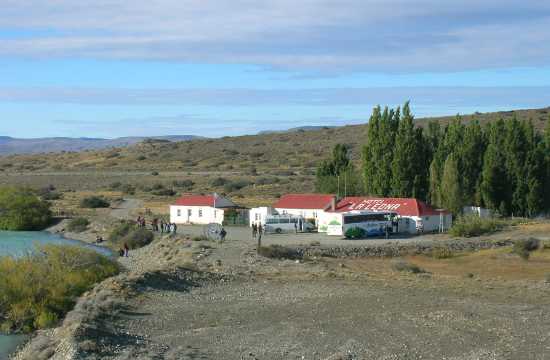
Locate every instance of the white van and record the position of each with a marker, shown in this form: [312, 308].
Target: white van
[287, 223]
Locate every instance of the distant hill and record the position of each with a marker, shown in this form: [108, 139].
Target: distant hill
[296, 129]
[9, 145]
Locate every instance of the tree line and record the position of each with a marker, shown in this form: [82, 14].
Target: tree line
[503, 165]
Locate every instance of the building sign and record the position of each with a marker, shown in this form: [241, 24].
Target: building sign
[374, 205]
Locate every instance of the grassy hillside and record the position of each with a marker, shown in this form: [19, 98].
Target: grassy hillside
[254, 168]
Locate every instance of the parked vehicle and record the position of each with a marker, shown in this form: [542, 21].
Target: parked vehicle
[373, 223]
[287, 223]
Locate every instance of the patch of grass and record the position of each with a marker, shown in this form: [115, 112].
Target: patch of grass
[78, 225]
[442, 253]
[280, 252]
[37, 290]
[199, 238]
[404, 266]
[524, 247]
[471, 225]
[94, 202]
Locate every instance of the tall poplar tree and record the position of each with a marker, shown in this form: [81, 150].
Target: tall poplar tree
[451, 195]
[405, 157]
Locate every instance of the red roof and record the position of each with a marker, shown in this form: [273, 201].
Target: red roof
[196, 200]
[304, 201]
[402, 206]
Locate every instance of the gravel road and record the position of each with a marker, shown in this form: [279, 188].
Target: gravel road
[287, 310]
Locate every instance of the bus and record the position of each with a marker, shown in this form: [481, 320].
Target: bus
[375, 223]
[287, 223]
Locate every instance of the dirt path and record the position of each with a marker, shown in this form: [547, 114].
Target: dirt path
[123, 211]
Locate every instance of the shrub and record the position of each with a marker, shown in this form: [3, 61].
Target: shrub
[49, 193]
[183, 184]
[442, 253]
[235, 185]
[39, 289]
[21, 209]
[279, 252]
[94, 202]
[404, 266]
[355, 233]
[219, 181]
[163, 192]
[78, 225]
[155, 173]
[128, 189]
[266, 180]
[120, 231]
[200, 238]
[129, 234]
[115, 185]
[141, 158]
[138, 238]
[524, 247]
[472, 225]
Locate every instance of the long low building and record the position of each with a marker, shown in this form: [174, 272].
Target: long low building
[206, 209]
[414, 215]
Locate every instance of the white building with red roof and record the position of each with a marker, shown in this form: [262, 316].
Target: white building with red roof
[201, 209]
[309, 206]
[414, 215]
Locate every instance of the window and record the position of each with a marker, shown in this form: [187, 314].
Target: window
[179, 212]
[200, 212]
[315, 214]
[189, 212]
[256, 216]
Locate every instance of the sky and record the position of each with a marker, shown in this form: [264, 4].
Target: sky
[110, 68]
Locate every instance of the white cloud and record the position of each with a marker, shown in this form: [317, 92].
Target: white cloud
[328, 35]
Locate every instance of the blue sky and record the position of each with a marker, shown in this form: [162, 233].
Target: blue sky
[109, 68]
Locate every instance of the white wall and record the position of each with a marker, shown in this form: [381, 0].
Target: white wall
[199, 215]
[306, 213]
[259, 214]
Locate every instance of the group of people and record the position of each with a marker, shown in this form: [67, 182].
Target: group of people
[257, 231]
[161, 226]
[123, 251]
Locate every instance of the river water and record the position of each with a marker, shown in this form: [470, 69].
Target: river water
[20, 243]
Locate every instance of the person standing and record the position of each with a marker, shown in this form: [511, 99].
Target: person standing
[254, 230]
[126, 249]
[260, 229]
[223, 233]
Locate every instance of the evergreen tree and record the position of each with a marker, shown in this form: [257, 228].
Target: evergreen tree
[471, 162]
[337, 175]
[371, 151]
[536, 177]
[405, 157]
[451, 195]
[378, 151]
[494, 185]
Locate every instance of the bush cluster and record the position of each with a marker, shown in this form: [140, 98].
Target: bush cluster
[235, 185]
[471, 225]
[78, 224]
[219, 181]
[524, 247]
[94, 202]
[131, 235]
[39, 289]
[21, 209]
